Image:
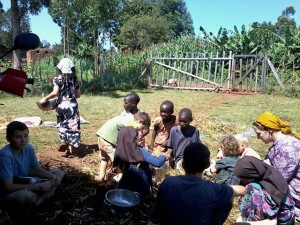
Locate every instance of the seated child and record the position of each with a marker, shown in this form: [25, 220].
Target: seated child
[225, 166]
[189, 199]
[161, 128]
[135, 161]
[18, 158]
[245, 150]
[182, 135]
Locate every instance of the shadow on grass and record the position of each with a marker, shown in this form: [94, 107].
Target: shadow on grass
[115, 93]
[79, 200]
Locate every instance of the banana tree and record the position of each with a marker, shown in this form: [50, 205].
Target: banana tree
[285, 50]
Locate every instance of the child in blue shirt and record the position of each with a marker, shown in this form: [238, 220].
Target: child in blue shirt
[18, 159]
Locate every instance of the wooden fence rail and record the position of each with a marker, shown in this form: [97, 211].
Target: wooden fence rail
[203, 71]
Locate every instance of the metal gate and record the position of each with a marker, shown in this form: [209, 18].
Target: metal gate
[203, 71]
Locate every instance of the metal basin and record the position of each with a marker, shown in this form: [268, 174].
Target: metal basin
[28, 180]
[122, 198]
[48, 105]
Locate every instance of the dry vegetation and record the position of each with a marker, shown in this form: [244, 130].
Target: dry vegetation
[79, 200]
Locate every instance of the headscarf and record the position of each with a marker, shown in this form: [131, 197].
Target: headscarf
[127, 150]
[65, 65]
[271, 121]
[269, 178]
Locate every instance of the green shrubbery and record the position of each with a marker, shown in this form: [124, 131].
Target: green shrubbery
[120, 71]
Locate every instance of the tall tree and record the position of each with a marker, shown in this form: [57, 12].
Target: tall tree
[285, 21]
[173, 13]
[16, 27]
[6, 32]
[176, 12]
[21, 9]
[142, 31]
[86, 23]
[61, 12]
[5, 27]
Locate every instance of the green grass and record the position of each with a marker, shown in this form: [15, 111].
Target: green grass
[215, 114]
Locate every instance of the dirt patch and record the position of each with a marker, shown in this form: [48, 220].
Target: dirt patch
[226, 97]
[79, 199]
[86, 156]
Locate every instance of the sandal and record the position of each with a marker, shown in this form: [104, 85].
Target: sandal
[71, 156]
[68, 155]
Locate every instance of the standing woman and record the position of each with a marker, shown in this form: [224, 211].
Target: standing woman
[66, 87]
[284, 154]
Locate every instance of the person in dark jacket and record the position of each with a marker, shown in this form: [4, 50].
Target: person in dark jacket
[190, 200]
[267, 193]
[133, 160]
